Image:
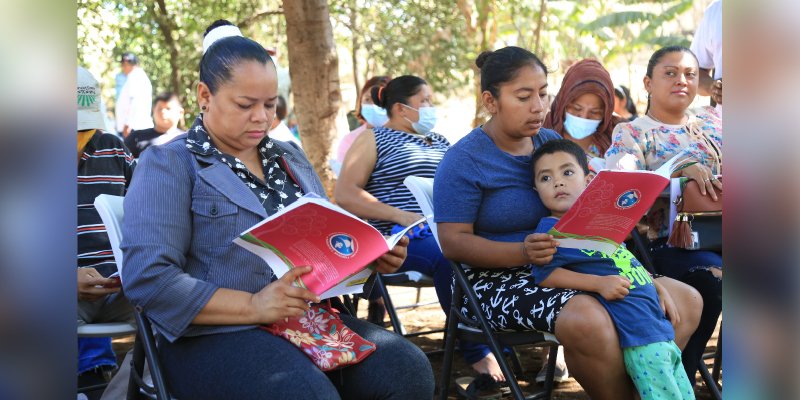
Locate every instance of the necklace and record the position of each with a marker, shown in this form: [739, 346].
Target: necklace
[650, 114]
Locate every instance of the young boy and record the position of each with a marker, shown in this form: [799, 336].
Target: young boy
[618, 281]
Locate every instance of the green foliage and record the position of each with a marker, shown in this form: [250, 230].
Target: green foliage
[106, 29]
[421, 37]
[429, 38]
[634, 26]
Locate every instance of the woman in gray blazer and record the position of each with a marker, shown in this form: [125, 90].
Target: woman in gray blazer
[205, 295]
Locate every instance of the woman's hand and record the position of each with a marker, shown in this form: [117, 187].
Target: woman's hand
[667, 304]
[90, 285]
[704, 178]
[393, 260]
[539, 248]
[280, 299]
[716, 91]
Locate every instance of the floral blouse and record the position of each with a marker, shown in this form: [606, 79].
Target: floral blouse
[653, 143]
[276, 193]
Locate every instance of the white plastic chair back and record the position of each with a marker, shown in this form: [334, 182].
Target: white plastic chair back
[422, 189]
[110, 209]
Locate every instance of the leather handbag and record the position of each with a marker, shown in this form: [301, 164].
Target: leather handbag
[323, 337]
[698, 223]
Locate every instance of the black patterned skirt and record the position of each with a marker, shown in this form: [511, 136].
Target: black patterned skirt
[512, 302]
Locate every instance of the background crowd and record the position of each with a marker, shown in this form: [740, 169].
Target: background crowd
[396, 136]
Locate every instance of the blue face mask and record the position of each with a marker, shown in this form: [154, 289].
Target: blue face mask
[374, 115]
[427, 119]
[580, 128]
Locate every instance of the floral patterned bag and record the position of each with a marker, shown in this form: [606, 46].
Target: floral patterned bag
[323, 337]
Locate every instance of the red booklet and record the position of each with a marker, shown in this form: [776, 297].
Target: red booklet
[611, 205]
[313, 231]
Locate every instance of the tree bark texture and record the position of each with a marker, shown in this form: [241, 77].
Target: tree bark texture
[166, 24]
[314, 69]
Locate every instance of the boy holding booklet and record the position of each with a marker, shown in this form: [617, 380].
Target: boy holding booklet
[618, 281]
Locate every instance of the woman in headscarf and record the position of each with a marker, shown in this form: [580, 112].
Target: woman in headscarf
[582, 110]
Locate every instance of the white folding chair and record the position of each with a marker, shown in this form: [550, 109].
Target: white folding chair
[112, 329]
[412, 279]
[106, 329]
[111, 212]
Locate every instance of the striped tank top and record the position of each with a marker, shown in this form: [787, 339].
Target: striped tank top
[401, 154]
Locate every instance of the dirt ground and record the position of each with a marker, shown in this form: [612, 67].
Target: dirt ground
[431, 317]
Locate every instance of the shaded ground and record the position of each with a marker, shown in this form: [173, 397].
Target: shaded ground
[432, 317]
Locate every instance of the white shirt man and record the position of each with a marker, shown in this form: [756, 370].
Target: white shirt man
[135, 99]
[707, 46]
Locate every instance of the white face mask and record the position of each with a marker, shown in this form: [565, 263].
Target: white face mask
[374, 115]
[427, 119]
[580, 128]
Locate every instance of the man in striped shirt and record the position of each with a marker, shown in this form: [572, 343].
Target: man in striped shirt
[105, 166]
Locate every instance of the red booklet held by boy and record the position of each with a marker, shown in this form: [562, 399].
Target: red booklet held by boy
[611, 205]
[313, 231]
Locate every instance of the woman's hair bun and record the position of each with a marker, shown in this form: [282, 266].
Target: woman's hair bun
[217, 24]
[376, 95]
[482, 58]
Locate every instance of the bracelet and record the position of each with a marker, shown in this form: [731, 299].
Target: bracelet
[524, 253]
[656, 276]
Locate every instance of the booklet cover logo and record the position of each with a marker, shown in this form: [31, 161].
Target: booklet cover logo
[628, 199]
[342, 244]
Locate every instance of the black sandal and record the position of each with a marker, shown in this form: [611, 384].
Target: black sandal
[482, 387]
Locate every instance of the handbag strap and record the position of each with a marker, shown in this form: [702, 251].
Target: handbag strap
[693, 128]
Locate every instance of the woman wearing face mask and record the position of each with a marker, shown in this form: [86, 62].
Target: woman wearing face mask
[582, 110]
[371, 186]
[371, 115]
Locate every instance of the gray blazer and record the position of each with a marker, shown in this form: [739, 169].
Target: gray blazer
[182, 212]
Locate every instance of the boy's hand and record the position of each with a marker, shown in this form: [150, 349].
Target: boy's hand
[539, 248]
[613, 287]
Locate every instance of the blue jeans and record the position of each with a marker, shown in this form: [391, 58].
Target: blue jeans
[95, 352]
[691, 267]
[425, 256]
[254, 364]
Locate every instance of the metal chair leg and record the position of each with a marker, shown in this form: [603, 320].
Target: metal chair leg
[515, 362]
[397, 325]
[715, 371]
[709, 382]
[449, 346]
[137, 369]
[494, 346]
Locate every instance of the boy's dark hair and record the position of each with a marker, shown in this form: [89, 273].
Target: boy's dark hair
[280, 108]
[166, 97]
[398, 90]
[225, 54]
[560, 145]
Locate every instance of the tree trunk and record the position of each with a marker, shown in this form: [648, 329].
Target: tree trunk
[166, 24]
[314, 69]
[354, 52]
[538, 33]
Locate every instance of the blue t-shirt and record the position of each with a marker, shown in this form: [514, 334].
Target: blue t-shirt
[480, 184]
[638, 317]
